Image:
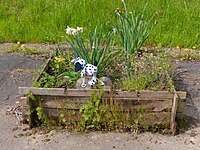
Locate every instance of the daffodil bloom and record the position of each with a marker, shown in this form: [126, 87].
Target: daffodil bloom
[59, 59]
[68, 30]
[186, 49]
[22, 45]
[18, 43]
[73, 31]
[80, 29]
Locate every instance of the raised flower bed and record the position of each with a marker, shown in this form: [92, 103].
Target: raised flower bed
[142, 94]
[147, 108]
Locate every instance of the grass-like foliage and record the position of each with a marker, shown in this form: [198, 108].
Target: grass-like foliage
[45, 20]
[133, 31]
[97, 47]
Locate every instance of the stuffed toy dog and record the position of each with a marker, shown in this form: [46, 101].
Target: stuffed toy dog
[88, 70]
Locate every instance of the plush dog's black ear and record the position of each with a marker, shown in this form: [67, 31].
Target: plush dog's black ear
[78, 67]
[95, 63]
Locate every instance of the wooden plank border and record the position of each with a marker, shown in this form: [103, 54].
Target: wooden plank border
[87, 93]
[44, 67]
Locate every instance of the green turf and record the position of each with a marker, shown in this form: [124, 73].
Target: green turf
[178, 21]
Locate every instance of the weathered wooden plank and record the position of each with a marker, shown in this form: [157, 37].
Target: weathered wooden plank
[149, 95]
[181, 95]
[155, 94]
[173, 114]
[65, 103]
[127, 94]
[155, 106]
[161, 118]
[26, 109]
[58, 91]
[45, 67]
[144, 95]
[84, 93]
[180, 106]
[23, 101]
[179, 109]
[42, 91]
[150, 105]
[125, 104]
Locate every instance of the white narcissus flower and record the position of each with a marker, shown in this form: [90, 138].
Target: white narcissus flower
[68, 30]
[73, 31]
[80, 29]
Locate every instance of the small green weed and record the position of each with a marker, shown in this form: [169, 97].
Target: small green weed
[44, 120]
[31, 96]
[149, 72]
[92, 113]
[21, 48]
[46, 81]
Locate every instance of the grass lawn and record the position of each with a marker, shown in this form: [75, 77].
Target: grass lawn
[44, 21]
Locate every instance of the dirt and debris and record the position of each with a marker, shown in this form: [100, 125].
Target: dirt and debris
[18, 69]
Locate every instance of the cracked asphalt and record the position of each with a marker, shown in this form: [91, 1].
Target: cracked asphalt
[18, 69]
[15, 70]
[188, 79]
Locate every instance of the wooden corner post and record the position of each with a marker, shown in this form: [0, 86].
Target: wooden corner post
[173, 113]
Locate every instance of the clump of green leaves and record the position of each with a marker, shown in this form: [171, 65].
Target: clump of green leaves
[46, 81]
[97, 47]
[31, 96]
[60, 72]
[42, 117]
[133, 30]
[92, 113]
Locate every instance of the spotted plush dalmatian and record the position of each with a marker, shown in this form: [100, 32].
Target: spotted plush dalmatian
[87, 70]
